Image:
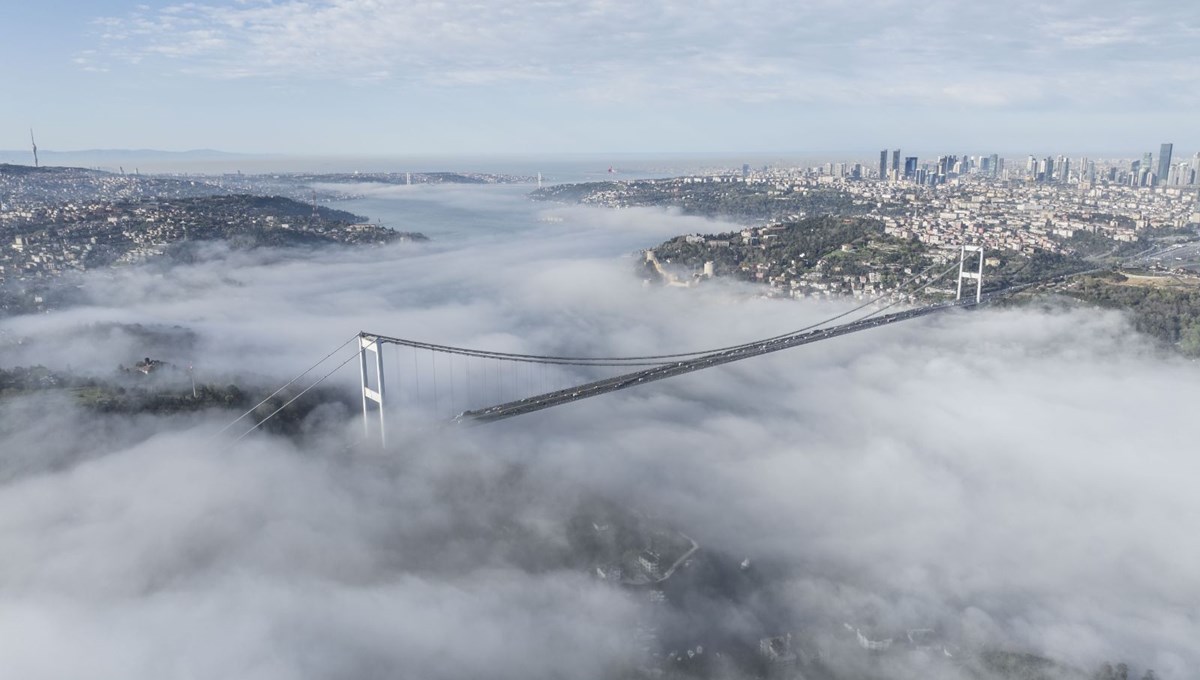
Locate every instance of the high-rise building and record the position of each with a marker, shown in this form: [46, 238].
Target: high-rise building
[1196, 168]
[910, 167]
[1164, 162]
[1064, 174]
[1048, 170]
[994, 165]
[1179, 174]
[883, 164]
[896, 163]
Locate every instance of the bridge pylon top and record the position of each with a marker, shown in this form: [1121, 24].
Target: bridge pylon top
[370, 354]
[977, 275]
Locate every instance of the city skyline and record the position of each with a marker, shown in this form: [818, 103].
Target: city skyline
[355, 77]
[1149, 171]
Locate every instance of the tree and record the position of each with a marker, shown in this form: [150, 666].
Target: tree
[1189, 340]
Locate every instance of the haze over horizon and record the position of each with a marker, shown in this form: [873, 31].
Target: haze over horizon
[353, 77]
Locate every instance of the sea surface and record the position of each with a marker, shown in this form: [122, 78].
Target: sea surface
[450, 213]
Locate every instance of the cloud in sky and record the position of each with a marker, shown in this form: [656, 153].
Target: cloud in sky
[552, 76]
[1013, 477]
[1019, 54]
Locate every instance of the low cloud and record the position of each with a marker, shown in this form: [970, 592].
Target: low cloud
[1011, 477]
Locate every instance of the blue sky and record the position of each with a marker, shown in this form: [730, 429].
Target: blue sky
[537, 76]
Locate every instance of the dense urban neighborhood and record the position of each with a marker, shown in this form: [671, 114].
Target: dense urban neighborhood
[825, 232]
[55, 221]
[1020, 215]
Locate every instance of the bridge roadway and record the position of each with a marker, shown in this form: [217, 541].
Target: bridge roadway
[669, 370]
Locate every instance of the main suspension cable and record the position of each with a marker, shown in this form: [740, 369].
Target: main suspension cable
[285, 386]
[301, 394]
[654, 359]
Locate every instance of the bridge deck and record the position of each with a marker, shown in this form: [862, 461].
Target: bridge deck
[668, 370]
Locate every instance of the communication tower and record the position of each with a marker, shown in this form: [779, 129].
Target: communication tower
[34, 143]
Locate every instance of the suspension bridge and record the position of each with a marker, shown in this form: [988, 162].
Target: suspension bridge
[464, 386]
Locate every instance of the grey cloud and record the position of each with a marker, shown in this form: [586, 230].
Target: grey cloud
[168, 560]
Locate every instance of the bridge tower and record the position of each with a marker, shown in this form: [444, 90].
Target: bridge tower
[369, 344]
[976, 275]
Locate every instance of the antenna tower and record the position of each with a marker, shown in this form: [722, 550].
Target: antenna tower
[34, 143]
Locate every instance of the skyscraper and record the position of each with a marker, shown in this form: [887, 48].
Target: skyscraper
[883, 164]
[1164, 162]
[1177, 174]
[910, 167]
[896, 163]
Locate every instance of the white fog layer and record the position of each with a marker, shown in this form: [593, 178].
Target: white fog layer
[1019, 478]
